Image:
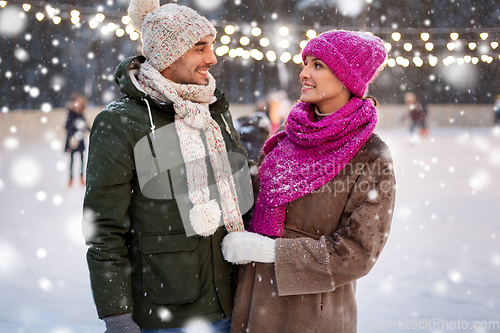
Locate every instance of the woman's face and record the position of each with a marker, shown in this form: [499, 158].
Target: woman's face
[321, 86]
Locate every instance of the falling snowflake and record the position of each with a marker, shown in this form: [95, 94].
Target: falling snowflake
[12, 21]
[25, 172]
[21, 54]
[208, 5]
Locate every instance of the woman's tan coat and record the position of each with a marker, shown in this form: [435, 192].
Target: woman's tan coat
[332, 237]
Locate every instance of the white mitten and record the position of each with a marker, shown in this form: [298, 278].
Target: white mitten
[241, 247]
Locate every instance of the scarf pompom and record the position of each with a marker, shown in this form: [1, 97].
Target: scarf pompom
[205, 218]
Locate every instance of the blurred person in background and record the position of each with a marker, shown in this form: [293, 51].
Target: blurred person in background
[416, 113]
[76, 127]
[496, 109]
[279, 106]
[254, 130]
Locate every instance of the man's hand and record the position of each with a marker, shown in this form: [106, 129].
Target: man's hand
[241, 247]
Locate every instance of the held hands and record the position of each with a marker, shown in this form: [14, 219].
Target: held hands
[242, 247]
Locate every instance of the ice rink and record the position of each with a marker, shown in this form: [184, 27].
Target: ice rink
[439, 270]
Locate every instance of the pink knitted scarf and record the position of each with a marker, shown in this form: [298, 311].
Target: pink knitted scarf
[307, 155]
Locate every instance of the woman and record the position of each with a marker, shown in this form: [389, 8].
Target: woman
[75, 128]
[326, 198]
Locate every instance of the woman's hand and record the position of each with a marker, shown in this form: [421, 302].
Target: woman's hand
[242, 247]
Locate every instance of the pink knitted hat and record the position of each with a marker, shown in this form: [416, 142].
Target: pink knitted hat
[354, 57]
[168, 31]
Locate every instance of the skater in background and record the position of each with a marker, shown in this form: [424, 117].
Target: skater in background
[496, 109]
[417, 114]
[76, 126]
[327, 193]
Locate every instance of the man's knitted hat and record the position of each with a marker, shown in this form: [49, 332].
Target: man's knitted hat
[354, 57]
[168, 31]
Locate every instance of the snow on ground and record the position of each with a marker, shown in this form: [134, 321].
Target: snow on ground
[442, 260]
[441, 263]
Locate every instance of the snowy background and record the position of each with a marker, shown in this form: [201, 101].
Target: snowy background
[442, 259]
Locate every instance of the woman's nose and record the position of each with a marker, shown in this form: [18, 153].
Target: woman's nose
[304, 73]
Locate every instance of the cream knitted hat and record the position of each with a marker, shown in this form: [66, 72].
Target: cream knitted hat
[168, 31]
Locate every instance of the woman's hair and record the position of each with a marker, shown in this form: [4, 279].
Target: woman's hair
[374, 100]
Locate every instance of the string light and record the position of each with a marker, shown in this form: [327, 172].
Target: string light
[284, 43]
[244, 40]
[129, 29]
[283, 31]
[134, 35]
[229, 29]
[99, 17]
[433, 61]
[222, 50]
[256, 54]
[271, 56]
[256, 31]
[50, 10]
[126, 20]
[285, 57]
[408, 44]
[418, 61]
[120, 32]
[225, 39]
[93, 24]
[311, 33]
[264, 42]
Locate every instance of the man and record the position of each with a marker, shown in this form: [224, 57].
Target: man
[161, 193]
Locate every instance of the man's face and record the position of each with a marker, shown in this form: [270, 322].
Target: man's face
[193, 66]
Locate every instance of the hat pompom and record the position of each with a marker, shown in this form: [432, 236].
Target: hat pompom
[138, 9]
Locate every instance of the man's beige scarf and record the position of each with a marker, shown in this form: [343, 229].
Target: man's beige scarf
[191, 117]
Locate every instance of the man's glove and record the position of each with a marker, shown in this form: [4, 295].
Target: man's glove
[122, 323]
[241, 247]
